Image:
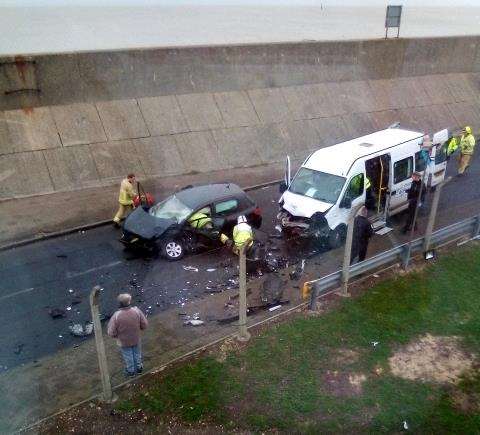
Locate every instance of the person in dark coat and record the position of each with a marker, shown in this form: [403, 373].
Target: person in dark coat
[415, 193]
[362, 232]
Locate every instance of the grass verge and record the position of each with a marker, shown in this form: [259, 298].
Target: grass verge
[334, 372]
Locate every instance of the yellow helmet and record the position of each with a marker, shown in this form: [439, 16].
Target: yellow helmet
[468, 130]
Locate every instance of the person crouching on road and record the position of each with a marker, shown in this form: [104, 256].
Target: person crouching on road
[125, 199]
[126, 325]
[241, 233]
[362, 232]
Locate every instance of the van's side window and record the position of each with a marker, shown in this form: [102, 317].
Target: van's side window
[402, 170]
[420, 162]
[355, 188]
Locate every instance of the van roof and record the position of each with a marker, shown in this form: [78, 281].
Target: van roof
[337, 159]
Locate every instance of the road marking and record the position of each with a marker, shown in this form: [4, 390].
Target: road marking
[93, 269]
[17, 293]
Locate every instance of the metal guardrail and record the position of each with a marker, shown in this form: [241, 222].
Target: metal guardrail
[470, 226]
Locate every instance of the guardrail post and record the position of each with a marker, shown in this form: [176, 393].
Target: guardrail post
[107, 395]
[433, 214]
[347, 253]
[313, 298]
[476, 228]
[243, 334]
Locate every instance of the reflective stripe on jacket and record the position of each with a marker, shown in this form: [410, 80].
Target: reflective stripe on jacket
[368, 184]
[126, 193]
[241, 233]
[467, 144]
[199, 220]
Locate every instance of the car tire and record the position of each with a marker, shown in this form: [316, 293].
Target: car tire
[173, 250]
[336, 237]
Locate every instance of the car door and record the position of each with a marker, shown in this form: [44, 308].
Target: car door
[225, 214]
[401, 182]
[353, 196]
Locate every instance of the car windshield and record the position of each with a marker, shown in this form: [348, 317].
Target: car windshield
[171, 208]
[317, 185]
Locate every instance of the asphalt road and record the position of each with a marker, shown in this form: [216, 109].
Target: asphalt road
[59, 273]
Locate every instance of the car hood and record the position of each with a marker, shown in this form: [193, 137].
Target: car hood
[143, 224]
[303, 206]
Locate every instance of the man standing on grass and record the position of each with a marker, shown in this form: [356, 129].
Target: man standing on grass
[125, 325]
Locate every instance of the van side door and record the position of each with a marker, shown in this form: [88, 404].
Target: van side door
[400, 183]
[353, 195]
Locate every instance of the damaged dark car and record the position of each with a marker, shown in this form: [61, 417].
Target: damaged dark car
[167, 227]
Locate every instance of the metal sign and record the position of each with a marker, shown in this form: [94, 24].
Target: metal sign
[393, 18]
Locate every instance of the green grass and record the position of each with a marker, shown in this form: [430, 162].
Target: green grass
[280, 380]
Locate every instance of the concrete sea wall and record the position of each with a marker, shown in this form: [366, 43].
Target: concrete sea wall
[79, 120]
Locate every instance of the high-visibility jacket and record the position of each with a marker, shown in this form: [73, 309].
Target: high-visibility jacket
[241, 233]
[368, 183]
[127, 193]
[199, 220]
[467, 143]
[452, 146]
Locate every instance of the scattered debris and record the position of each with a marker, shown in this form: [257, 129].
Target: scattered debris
[376, 275]
[272, 290]
[211, 270]
[18, 349]
[278, 228]
[193, 269]
[251, 311]
[70, 290]
[276, 307]
[79, 330]
[375, 343]
[61, 256]
[56, 313]
[405, 425]
[69, 308]
[297, 273]
[194, 322]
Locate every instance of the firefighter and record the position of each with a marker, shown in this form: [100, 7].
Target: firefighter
[125, 199]
[241, 233]
[467, 145]
[201, 220]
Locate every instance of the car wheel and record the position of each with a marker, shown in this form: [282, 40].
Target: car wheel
[173, 250]
[336, 237]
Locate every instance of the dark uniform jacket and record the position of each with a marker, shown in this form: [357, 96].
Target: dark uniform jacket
[362, 231]
[414, 191]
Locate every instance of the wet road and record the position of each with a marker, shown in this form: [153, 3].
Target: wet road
[59, 273]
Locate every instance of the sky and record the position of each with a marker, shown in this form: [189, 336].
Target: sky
[365, 3]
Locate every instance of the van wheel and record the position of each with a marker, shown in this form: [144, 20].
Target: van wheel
[173, 250]
[336, 237]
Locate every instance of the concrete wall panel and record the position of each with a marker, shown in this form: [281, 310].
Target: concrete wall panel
[24, 174]
[162, 115]
[355, 97]
[330, 131]
[300, 137]
[78, 124]
[388, 94]
[465, 114]
[269, 105]
[200, 111]
[440, 117]
[437, 89]
[238, 145]
[460, 86]
[116, 159]
[122, 119]
[412, 91]
[270, 143]
[384, 118]
[160, 156]
[359, 124]
[200, 152]
[236, 109]
[27, 130]
[72, 167]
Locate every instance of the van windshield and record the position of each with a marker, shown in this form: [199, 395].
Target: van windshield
[317, 185]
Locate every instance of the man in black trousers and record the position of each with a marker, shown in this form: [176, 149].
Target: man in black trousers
[362, 231]
[415, 193]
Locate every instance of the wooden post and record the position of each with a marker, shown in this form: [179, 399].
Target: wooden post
[107, 395]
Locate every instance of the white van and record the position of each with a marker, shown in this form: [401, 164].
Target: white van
[317, 202]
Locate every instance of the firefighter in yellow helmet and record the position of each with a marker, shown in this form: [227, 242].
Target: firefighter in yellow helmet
[125, 199]
[201, 220]
[467, 145]
[241, 233]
